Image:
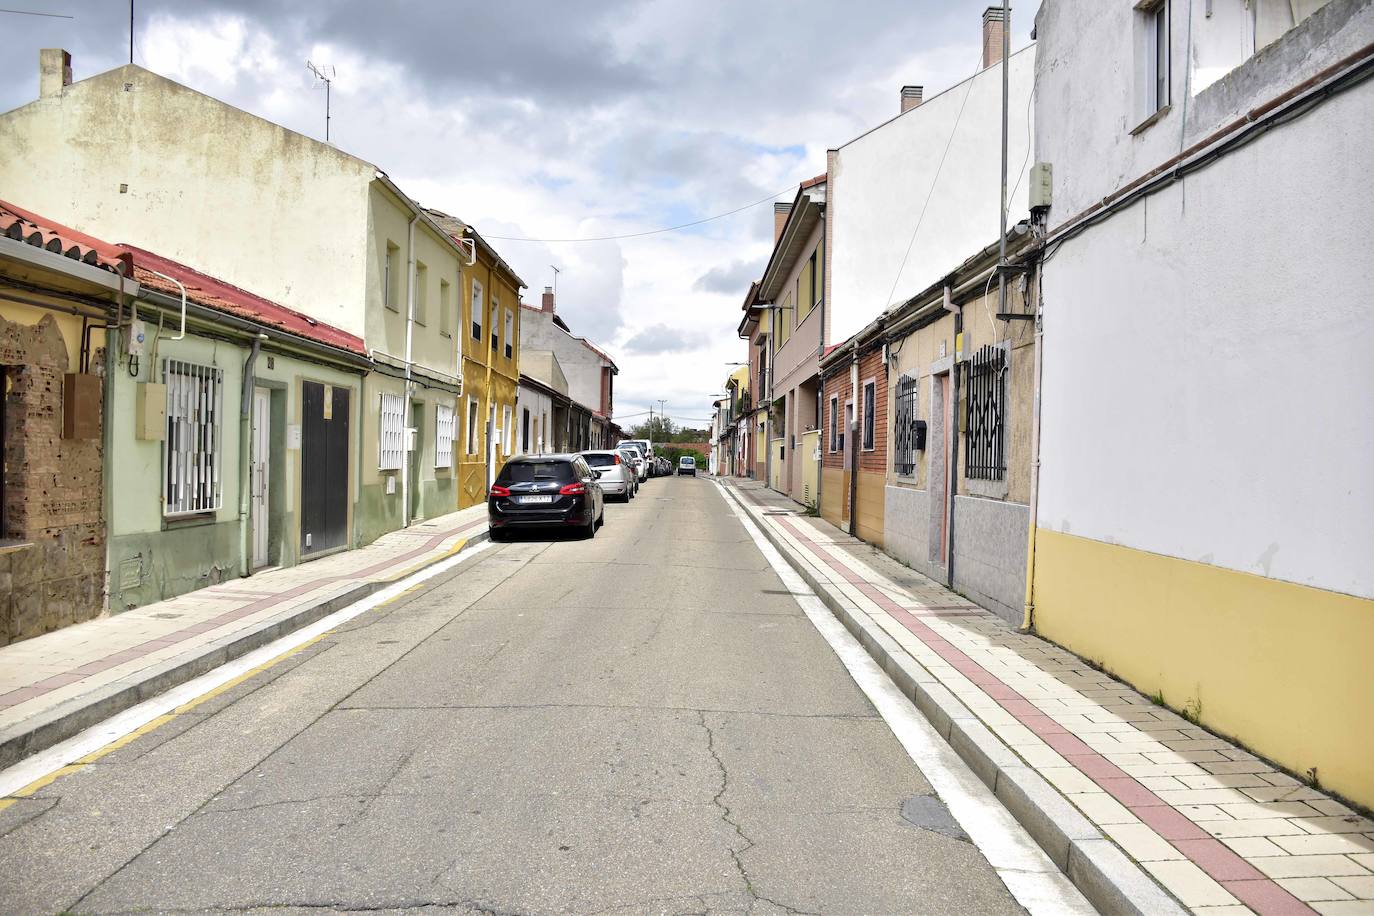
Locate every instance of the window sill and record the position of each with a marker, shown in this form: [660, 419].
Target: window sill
[198, 520]
[13, 546]
[1151, 121]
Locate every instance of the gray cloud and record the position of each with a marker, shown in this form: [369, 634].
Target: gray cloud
[659, 338]
[731, 279]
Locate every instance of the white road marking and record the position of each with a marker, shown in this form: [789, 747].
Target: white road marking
[121, 724]
[1030, 876]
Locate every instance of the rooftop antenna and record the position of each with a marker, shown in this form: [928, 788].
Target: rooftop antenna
[324, 74]
[556, 272]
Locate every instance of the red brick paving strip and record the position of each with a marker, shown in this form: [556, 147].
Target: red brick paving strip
[47, 685]
[1232, 872]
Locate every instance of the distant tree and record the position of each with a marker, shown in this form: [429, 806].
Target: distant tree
[655, 429]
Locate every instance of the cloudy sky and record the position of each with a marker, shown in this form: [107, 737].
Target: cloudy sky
[559, 121]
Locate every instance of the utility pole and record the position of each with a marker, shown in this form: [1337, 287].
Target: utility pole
[131, 31]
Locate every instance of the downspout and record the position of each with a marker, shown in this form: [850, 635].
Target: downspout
[952, 472]
[245, 462]
[107, 432]
[768, 414]
[820, 384]
[853, 444]
[1028, 618]
[410, 338]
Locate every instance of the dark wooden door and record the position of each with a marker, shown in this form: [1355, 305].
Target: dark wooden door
[324, 468]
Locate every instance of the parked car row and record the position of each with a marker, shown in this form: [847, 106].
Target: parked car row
[569, 490]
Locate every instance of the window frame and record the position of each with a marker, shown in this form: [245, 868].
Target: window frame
[510, 334]
[389, 264]
[834, 423]
[421, 293]
[904, 417]
[1158, 60]
[445, 308]
[848, 420]
[472, 446]
[495, 314]
[391, 435]
[477, 308]
[868, 424]
[193, 434]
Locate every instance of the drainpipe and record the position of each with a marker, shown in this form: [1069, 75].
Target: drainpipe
[112, 338]
[820, 383]
[410, 337]
[853, 444]
[1028, 618]
[952, 470]
[245, 458]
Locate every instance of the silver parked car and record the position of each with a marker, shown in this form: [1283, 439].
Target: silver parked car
[617, 476]
[641, 459]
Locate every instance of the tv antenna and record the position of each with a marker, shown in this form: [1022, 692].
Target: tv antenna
[556, 272]
[324, 74]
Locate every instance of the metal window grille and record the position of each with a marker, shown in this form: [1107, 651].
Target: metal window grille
[904, 428]
[870, 408]
[443, 436]
[191, 453]
[983, 439]
[834, 424]
[391, 441]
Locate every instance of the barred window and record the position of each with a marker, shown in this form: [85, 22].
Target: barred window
[985, 399]
[870, 407]
[443, 436]
[904, 427]
[191, 454]
[834, 423]
[391, 440]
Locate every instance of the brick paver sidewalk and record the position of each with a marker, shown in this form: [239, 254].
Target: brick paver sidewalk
[55, 671]
[1221, 829]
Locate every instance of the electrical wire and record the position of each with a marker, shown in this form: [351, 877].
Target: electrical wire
[636, 235]
[36, 13]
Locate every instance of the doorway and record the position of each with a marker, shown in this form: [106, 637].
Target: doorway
[259, 476]
[324, 467]
[417, 419]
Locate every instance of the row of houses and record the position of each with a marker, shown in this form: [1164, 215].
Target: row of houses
[1132, 412]
[225, 346]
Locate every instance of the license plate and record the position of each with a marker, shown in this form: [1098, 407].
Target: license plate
[526, 500]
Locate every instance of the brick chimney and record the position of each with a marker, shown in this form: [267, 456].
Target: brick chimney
[54, 72]
[992, 36]
[546, 305]
[780, 214]
[911, 97]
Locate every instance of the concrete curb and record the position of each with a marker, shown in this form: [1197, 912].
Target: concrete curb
[40, 732]
[1109, 880]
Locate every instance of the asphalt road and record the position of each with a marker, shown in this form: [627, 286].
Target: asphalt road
[642, 723]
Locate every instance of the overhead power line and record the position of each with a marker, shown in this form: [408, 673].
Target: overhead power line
[636, 235]
[36, 13]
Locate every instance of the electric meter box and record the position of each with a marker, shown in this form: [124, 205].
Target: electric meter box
[150, 411]
[137, 337]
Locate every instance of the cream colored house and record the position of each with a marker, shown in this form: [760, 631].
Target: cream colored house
[295, 220]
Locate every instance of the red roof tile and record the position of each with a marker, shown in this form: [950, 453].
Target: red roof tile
[224, 297]
[23, 226]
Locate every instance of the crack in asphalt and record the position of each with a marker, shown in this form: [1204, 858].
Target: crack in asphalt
[764, 714]
[727, 815]
[475, 906]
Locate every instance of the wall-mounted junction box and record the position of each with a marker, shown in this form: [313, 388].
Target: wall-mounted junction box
[150, 411]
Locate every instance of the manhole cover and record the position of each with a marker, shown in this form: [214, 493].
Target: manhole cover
[166, 616]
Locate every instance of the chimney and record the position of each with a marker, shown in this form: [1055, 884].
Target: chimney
[54, 72]
[992, 36]
[547, 304]
[780, 214]
[911, 97]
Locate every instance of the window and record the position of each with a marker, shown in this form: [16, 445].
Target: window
[510, 333]
[870, 402]
[834, 423]
[391, 439]
[191, 454]
[525, 430]
[391, 278]
[472, 427]
[985, 398]
[806, 289]
[1156, 57]
[507, 432]
[763, 374]
[478, 306]
[848, 421]
[443, 436]
[495, 315]
[904, 427]
[421, 293]
[445, 307]
[785, 320]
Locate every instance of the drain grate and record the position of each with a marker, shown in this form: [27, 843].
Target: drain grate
[166, 616]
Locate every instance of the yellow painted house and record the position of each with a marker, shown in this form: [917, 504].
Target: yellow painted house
[490, 344]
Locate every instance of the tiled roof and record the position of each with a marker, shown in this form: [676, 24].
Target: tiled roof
[224, 297]
[23, 226]
[812, 182]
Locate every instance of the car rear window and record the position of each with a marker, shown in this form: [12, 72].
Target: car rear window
[530, 471]
[600, 461]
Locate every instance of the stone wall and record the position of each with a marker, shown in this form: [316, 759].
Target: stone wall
[52, 564]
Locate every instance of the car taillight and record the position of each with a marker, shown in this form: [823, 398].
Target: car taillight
[573, 489]
[499, 490]
[617, 458]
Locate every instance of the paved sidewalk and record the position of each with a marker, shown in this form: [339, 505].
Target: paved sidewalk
[1222, 830]
[54, 685]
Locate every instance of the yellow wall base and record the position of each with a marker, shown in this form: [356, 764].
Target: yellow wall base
[1285, 669]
